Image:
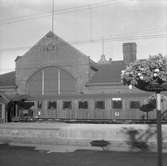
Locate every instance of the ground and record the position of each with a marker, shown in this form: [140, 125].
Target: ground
[28, 156]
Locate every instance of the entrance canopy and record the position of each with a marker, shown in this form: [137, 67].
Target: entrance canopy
[19, 97]
[20, 100]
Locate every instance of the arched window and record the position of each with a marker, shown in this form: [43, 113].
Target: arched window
[51, 81]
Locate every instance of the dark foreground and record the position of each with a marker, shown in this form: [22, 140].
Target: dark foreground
[27, 156]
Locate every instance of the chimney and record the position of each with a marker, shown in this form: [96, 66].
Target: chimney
[129, 52]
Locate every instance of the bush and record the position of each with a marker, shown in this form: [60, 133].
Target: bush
[100, 143]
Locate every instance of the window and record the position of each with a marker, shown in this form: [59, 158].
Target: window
[52, 105]
[116, 103]
[39, 104]
[67, 105]
[134, 104]
[83, 105]
[99, 105]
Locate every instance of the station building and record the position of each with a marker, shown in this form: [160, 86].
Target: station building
[58, 81]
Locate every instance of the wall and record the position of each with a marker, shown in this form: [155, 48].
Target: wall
[116, 88]
[91, 112]
[52, 51]
[78, 134]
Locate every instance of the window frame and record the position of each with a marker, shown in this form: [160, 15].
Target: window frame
[50, 105]
[117, 100]
[130, 104]
[67, 108]
[80, 107]
[97, 106]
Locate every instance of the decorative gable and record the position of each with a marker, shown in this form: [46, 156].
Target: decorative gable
[52, 50]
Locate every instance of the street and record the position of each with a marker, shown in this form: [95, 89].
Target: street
[28, 156]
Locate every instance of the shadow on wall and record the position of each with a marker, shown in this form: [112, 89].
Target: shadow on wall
[138, 138]
[100, 143]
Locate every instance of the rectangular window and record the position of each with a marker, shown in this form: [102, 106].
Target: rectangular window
[67, 105]
[39, 104]
[83, 105]
[99, 105]
[134, 104]
[116, 103]
[52, 105]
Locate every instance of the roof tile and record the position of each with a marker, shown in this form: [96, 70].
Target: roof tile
[8, 79]
[108, 73]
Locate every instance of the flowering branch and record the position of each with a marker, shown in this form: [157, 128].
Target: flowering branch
[143, 73]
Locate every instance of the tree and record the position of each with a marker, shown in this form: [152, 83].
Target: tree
[149, 75]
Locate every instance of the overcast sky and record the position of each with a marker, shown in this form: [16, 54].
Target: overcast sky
[83, 23]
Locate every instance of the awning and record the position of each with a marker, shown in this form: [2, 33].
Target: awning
[24, 105]
[19, 97]
[21, 101]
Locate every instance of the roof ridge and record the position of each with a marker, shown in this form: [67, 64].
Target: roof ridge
[55, 37]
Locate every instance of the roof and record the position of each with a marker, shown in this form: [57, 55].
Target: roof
[108, 73]
[86, 96]
[4, 98]
[52, 41]
[8, 79]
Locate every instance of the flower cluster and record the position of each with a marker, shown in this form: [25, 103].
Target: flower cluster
[144, 72]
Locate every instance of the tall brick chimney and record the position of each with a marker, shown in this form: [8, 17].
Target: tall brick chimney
[129, 52]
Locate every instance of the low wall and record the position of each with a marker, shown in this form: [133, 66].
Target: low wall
[79, 134]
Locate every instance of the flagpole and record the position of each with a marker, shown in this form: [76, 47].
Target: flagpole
[53, 16]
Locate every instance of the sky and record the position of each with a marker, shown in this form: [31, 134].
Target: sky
[86, 24]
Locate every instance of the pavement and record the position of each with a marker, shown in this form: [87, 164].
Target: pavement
[30, 156]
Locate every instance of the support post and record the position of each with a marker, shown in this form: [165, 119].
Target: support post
[43, 82]
[159, 130]
[59, 83]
